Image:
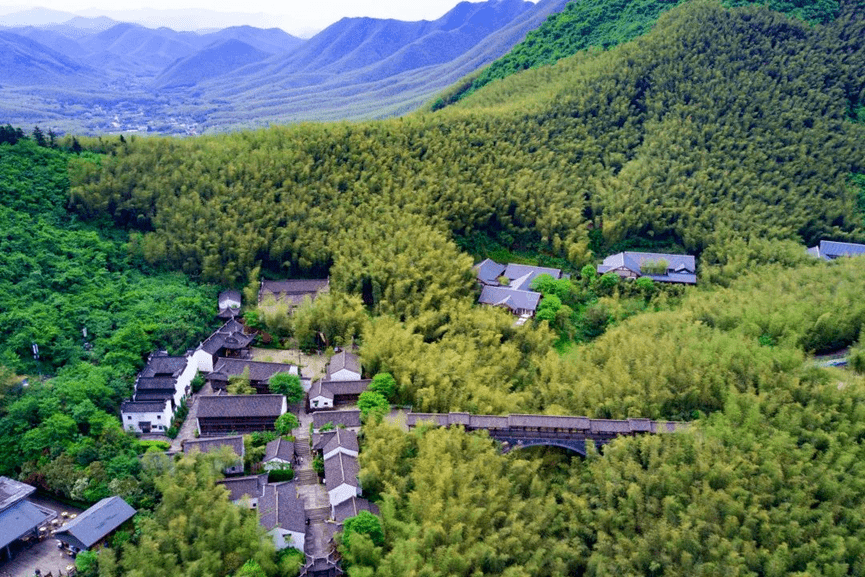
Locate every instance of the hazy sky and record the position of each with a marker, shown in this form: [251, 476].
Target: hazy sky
[292, 15]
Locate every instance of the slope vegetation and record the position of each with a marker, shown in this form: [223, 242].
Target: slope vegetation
[693, 136]
[601, 24]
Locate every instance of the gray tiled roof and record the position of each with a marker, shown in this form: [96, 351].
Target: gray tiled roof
[350, 418]
[230, 334]
[343, 438]
[440, 419]
[488, 271]
[207, 444]
[12, 491]
[95, 523]
[281, 506]
[832, 249]
[340, 469]
[549, 421]
[681, 267]
[344, 360]
[319, 390]
[155, 383]
[291, 291]
[161, 363]
[20, 519]
[143, 406]
[240, 406]
[279, 449]
[320, 440]
[522, 275]
[258, 371]
[159, 396]
[251, 486]
[351, 508]
[345, 387]
[510, 298]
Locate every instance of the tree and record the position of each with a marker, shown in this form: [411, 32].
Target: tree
[86, 564]
[372, 404]
[288, 385]
[364, 523]
[384, 384]
[239, 384]
[286, 423]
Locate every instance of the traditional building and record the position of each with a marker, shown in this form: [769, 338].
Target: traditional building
[229, 304]
[146, 416]
[344, 366]
[229, 340]
[238, 414]
[283, 515]
[340, 478]
[325, 395]
[291, 291]
[831, 249]
[19, 518]
[245, 489]
[208, 444]
[92, 526]
[259, 373]
[349, 419]
[279, 454]
[660, 267]
[509, 286]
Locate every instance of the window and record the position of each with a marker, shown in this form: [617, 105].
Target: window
[129, 418]
[159, 416]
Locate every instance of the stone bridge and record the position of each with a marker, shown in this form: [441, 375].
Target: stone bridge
[520, 431]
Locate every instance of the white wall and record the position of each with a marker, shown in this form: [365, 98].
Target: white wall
[203, 361]
[322, 402]
[340, 450]
[344, 375]
[283, 538]
[275, 463]
[342, 493]
[183, 386]
[163, 419]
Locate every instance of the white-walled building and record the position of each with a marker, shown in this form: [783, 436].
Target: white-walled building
[343, 441]
[340, 478]
[343, 366]
[146, 416]
[283, 515]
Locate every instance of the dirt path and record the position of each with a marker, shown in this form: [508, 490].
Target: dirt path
[312, 366]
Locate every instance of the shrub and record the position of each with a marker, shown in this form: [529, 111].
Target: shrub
[279, 475]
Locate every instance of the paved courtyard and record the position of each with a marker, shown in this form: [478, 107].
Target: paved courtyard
[43, 555]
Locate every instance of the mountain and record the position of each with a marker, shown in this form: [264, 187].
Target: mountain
[270, 40]
[35, 17]
[219, 59]
[366, 68]
[166, 81]
[26, 62]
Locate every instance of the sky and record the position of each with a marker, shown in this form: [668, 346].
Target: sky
[294, 16]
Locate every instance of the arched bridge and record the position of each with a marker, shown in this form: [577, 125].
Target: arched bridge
[519, 431]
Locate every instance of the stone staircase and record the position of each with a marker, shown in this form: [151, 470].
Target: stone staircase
[318, 514]
[306, 477]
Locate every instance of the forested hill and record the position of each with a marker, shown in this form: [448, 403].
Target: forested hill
[603, 24]
[718, 125]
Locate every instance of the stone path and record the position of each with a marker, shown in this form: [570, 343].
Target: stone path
[187, 430]
[315, 500]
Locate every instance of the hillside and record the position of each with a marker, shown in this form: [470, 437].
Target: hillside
[732, 134]
[598, 24]
[160, 80]
[662, 140]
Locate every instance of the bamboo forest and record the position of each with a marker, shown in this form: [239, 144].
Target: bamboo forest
[732, 133]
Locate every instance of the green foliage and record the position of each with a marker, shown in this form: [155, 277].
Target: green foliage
[251, 569]
[288, 385]
[87, 564]
[286, 423]
[364, 523]
[602, 24]
[383, 384]
[196, 529]
[197, 382]
[279, 475]
[240, 384]
[372, 404]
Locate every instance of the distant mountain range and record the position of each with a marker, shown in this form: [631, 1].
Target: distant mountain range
[96, 75]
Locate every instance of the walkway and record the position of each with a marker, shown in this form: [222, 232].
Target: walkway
[188, 429]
